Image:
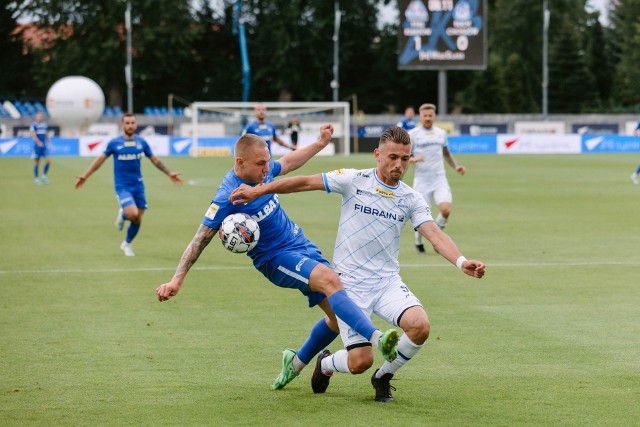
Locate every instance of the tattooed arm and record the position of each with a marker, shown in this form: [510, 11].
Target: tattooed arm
[189, 257]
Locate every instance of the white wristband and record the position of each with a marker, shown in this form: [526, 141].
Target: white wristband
[459, 261]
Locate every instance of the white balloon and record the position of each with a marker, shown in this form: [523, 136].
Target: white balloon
[75, 102]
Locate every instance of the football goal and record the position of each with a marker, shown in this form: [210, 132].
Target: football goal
[212, 122]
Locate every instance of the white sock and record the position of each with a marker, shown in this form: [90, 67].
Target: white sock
[441, 221]
[418, 238]
[406, 350]
[375, 338]
[337, 362]
[297, 364]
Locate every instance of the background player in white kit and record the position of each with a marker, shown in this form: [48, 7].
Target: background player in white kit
[428, 149]
[375, 207]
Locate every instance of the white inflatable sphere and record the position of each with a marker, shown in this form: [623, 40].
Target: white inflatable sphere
[75, 102]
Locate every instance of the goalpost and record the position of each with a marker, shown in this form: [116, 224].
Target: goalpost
[212, 122]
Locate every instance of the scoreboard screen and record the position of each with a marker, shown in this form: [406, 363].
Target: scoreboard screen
[442, 34]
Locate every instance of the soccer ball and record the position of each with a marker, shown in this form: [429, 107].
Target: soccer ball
[239, 233]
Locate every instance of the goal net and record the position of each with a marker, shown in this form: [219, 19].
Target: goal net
[215, 126]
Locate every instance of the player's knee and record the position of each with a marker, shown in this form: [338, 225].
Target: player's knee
[419, 330]
[326, 281]
[359, 365]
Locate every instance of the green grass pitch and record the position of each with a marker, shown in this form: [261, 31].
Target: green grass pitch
[550, 336]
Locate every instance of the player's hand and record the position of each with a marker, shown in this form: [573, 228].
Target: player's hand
[175, 178]
[79, 181]
[326, 132]
[461, 169]
[243, 194]
[473, 268]
[167, 290]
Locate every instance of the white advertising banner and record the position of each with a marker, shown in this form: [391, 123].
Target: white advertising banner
[104, 129]
[204, 129]
[630, 128]
[93, 146]
[539, 144]
[539, 127]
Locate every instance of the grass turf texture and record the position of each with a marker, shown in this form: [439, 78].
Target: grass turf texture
[548, 337]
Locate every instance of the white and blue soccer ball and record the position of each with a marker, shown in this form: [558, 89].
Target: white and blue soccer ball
[239, 233]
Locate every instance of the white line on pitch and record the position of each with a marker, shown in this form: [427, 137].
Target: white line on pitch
[490, 265]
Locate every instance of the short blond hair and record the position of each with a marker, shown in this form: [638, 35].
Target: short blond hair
[245, 142]
[428, 107]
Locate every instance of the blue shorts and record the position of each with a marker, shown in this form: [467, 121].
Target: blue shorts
[291, 268]
[132, 195]
[39, 152]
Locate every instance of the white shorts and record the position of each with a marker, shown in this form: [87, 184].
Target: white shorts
[388, 299]
[439, 190]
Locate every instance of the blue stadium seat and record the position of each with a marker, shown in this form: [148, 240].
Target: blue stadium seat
[148, 111]
[117, 110]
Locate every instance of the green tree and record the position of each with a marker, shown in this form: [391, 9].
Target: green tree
[517, 89]
[600, 62]
[488, 89]
[15, 73]
[90, 40]
[626, 35]
[571, 85]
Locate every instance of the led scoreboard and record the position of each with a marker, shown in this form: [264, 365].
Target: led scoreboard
[442, 34]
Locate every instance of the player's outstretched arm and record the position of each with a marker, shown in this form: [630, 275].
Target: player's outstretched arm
[295, 184]
[293, 160]
[445, 246]
[189, 257]
[284, 144]
[452, 162]
[173, 176]
[80, 180]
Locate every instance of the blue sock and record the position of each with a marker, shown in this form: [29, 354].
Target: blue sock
[46, 168]
[35, 171]
[351, 314]
[319, 338]
[638, 170]
[132, 231]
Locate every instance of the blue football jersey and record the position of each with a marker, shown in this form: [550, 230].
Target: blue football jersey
[266, 131]
[407, 124]
[40, 130]
[126, 159]
[277, 231]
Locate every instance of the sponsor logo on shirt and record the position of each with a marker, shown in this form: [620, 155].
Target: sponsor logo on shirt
[379, 213]
[211, 212]
[267, 209]
[385, 193]
[302, 261]
[130, 156]
[130, 144]
[337, 172]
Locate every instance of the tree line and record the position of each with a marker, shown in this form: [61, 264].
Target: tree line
[190, 48]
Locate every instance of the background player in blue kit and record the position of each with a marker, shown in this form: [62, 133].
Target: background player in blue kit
[127, 150]
[39, 130]
[409, 121]
[263, 128]
[283, 254]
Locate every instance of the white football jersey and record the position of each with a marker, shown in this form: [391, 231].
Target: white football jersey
[429, 144]
[373, 215]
